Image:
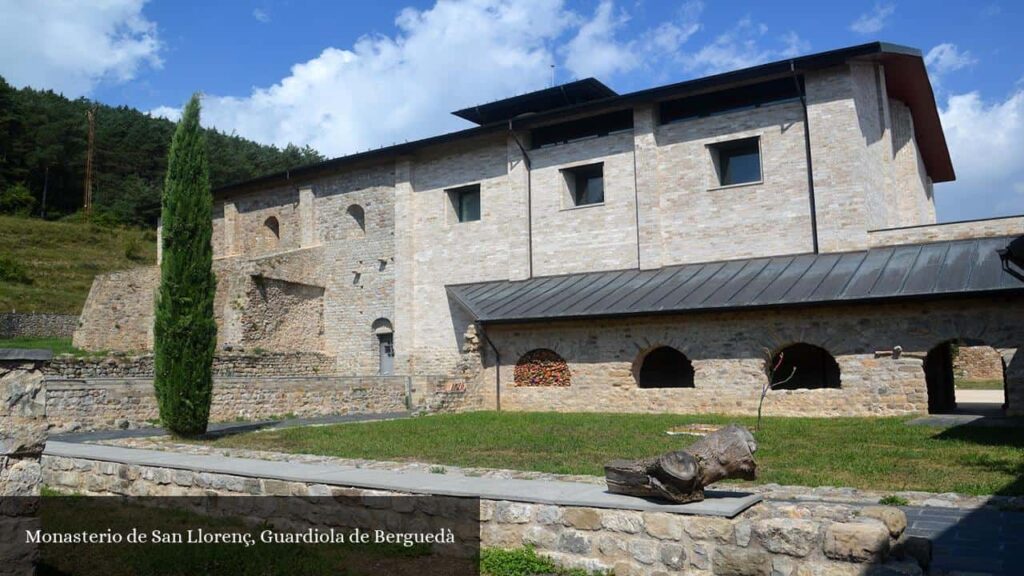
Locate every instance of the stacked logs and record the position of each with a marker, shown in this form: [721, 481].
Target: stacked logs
[542, 367]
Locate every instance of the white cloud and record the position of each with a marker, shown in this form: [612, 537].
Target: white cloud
[873, 21]
[741, 47]
[388, 89]
[71, 46]
[172, 114]
[595, 51]
[946, 58]
[261, 15]
[598, 50]
[986, 142]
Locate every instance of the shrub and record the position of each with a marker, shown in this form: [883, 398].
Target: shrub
[17, 200]
[894, 500]
[521, 562]
[12, 271]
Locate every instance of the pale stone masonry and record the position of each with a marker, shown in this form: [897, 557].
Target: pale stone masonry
[354, 258]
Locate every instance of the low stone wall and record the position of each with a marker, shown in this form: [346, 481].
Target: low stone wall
[768, 539]
[978, 363]
[32, 325]
[1009, 226]
[96, 404]
[224, 364]
[22, 440]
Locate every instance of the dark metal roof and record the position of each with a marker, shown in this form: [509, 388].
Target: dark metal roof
[560, 96]
[959, 267]
[906, 79]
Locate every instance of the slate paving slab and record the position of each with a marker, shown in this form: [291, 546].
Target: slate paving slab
[981, 541]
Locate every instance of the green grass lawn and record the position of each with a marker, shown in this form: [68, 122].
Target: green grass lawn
[49, 266]
[57, 345]
[979, 384]
[868, 453]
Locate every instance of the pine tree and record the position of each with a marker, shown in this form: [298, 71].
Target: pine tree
[185, 331]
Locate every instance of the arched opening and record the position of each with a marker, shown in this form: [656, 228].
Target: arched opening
[965, 377]
[385, 336]
[271, 233]
[358, 216]
[665, 367]
[542, 367]
[805, 366]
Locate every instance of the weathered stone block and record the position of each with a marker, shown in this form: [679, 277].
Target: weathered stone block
[623, 521]
[582, 518]
[709, 529]
[787, 536]
[856, 541]
[672, 555]
[893, 518]
[663, 526]
[734, 561]
[512, 512]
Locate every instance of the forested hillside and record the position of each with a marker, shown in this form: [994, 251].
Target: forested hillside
[43, 143]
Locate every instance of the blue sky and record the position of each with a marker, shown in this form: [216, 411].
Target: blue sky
[346, 76]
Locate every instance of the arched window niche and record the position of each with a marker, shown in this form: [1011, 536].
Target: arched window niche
[665, 367]
[814, 368]
[542, 367]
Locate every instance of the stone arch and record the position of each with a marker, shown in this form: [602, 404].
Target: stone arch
[663, 367]
[942, 379]
[542, 367]
[358, 216]
[815, 368]
[271, 233]
[382, 326]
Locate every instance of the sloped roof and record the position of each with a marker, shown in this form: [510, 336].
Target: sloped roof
[960, 267]
[578, 92]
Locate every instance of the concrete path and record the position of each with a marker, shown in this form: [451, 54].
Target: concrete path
[984, 541]
[979, 396]
[716, 503]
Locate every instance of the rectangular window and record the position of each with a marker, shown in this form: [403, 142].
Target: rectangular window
[585, 184]
[466, 202]
[737, 162]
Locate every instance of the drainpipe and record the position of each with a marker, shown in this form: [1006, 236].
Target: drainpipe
[497, 368]
[807, 151]
[529, 199]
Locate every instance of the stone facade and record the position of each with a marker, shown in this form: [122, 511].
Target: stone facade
[224, 364]
[23, 427]
[727, 352]
[33, 325]
[106, 403]
[346, 261]
[1009, 226]
[769, 538]
[978, 363]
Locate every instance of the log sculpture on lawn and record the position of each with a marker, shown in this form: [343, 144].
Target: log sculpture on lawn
[681, 476]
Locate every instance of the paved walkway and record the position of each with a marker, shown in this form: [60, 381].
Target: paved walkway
[984, 541]
[716, 503]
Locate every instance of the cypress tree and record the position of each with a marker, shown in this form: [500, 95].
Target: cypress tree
[184, 329]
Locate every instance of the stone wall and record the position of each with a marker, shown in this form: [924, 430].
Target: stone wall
[106, 403]
[33, 325]
[22, 440]
[118, 313]
[727, 351]
[224, 365]
[768, 539]
[978, 363]
[1009, 226]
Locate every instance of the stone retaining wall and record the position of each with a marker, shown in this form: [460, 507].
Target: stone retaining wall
[97, 404]
[978, 363]
[22, 440]
[768, 539]
[32, 325]
[224, 364]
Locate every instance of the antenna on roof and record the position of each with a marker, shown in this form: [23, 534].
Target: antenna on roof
[552, 74]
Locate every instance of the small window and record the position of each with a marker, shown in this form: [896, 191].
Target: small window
[466, 202]
[586, 184]
[737, 162]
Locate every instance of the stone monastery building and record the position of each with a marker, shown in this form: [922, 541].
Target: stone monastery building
[583, 250]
